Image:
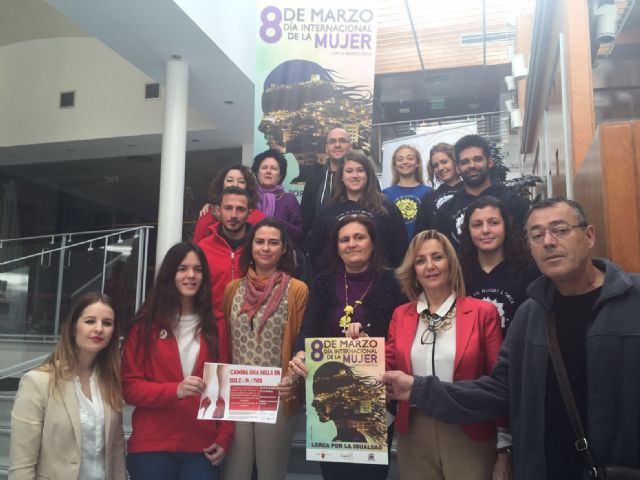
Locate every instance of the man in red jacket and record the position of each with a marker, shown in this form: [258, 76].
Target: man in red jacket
[224, 246]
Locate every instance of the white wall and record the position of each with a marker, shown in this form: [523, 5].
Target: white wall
[109, 94]
[219, 21]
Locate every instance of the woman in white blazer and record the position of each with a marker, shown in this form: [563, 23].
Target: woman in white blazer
[66, 421]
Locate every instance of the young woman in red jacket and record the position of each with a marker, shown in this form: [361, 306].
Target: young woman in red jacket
[170, 339]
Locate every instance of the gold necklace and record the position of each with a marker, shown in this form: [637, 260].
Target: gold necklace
[345, 320]
[435, 322]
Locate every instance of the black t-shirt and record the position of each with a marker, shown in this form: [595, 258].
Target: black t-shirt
[507, 294]
[430, 204]
[450, 216]
[574, 315]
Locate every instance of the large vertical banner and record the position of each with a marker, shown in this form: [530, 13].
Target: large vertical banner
[346, 414]
[315, 64]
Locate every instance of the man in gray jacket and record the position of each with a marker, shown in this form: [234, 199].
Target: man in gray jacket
[597, 306]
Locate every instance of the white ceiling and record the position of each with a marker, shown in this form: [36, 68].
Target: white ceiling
[147, 35]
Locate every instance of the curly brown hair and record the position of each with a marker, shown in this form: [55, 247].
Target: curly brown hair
[217, 184]
[515, 249]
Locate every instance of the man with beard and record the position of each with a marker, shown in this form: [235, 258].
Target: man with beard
[224, 246]
[473, 160]
[318, 187]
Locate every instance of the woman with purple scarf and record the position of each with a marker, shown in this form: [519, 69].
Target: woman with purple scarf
[270, 168]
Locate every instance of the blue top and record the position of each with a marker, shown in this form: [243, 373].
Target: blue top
[407, 199]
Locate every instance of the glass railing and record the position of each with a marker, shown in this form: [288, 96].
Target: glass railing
[41, 276]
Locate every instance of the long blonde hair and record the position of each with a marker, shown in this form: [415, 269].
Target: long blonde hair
[442, 147]
[62, 363]
[395, 178]
[406, 274]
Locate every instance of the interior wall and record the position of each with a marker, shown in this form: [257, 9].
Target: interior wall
[607, 186]
[110, 100]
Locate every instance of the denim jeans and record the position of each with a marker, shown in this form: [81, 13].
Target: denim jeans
[171, 466]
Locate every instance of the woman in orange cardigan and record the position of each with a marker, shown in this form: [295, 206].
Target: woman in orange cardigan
[264, 312]
[445, 333]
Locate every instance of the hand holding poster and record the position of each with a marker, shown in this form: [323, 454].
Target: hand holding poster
[346, 414]
[240, 393]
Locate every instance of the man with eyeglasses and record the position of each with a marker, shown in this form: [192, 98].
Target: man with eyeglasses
[317, 189]
[473, 161]
[597, 307]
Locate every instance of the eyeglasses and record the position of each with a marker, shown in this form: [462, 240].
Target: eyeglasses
[428, 336]
[436, 323]
[559, 231]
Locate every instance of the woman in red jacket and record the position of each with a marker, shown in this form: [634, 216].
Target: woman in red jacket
[170, 339]
[445, 333]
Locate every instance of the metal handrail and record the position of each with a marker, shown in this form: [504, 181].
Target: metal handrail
[84, 242]
[22, 367]
[69, 234]
[102, 242]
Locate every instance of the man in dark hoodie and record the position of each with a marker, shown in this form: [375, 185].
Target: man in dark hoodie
[318, 188]
[473, 159]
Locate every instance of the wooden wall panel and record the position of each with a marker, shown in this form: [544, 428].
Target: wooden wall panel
[607, 186]
[579, 78]
[588, 192]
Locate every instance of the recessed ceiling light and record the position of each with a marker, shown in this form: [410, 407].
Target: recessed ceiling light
[228, 102]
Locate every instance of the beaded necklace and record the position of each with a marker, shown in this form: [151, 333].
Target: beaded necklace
[345, 320]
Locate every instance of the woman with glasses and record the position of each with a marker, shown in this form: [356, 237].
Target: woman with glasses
[445, 333]
[496, 262]
[356, 294]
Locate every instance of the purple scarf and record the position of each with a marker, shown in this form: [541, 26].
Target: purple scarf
[267, 199]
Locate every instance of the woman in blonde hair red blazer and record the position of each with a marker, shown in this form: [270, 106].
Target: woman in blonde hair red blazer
[441, 332]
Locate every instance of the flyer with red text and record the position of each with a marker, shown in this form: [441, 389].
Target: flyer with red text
[240, 393]
[346, 414]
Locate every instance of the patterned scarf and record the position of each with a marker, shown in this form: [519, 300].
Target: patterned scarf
[257, 293]
[267, 199]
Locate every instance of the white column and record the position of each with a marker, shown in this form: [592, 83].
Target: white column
[174, 141]
[247, 154]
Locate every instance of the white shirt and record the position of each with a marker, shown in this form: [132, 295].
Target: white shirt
[91, 431]
[445, 344]
[188, 342]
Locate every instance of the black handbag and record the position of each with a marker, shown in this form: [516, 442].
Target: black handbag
[595, 471]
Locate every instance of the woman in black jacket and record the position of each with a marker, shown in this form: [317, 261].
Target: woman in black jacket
[356, 191]
[356, 293]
